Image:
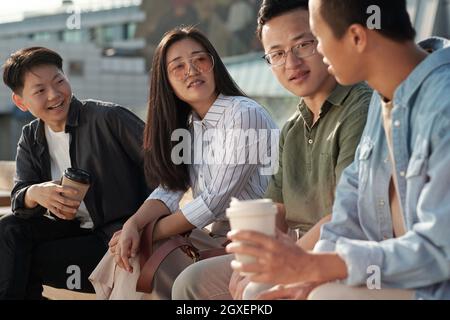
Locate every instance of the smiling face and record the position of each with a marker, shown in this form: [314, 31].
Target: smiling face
[191, 73]
[302, 76]
[46, 94]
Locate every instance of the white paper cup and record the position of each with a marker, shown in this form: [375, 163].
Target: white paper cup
[253, 215]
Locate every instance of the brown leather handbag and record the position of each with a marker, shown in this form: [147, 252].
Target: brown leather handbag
[150, 259]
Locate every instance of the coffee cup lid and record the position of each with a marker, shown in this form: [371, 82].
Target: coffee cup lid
[78, 175]
[257, 207]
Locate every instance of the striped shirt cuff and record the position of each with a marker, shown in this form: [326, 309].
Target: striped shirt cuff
[198, 213]
[170, 198]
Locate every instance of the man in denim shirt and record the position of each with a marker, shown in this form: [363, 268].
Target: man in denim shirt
[391, 215]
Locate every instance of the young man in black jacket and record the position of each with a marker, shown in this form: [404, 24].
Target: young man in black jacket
[42, 242]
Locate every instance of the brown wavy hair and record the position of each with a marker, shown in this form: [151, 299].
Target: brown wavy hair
[167, 113]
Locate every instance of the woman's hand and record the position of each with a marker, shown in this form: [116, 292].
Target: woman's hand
[125, 245]
[114, 242]
[49, 195]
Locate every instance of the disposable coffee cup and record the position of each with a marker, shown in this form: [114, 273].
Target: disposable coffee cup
[253, 215]
[79, 180]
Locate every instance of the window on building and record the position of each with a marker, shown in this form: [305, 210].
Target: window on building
[41, 36]
[131, 30]
[76, 36]
[112, 33]
[72, 36]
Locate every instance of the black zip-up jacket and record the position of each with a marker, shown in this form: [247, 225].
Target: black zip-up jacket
[106, 141]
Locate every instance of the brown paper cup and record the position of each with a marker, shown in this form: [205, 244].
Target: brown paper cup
[82, 190]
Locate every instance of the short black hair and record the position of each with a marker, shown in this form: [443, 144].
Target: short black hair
[22, 61]
[395, 21]
[273, 8]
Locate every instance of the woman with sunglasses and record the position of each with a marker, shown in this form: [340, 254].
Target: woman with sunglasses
[192, 92]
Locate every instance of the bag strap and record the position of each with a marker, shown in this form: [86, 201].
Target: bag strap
[145, 280]
[150, 260]
[146, 242]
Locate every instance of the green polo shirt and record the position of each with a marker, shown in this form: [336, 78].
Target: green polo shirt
[312, 157]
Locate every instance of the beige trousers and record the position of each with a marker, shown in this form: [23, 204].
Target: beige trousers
[337, 291]
[205, 280]
[209, 280]
[113, 283]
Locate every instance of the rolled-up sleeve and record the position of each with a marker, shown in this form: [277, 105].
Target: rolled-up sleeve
[170, 198]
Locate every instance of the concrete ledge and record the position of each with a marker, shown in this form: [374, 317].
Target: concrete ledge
[5, 198]
[62, 294]
[4, 211]
[7, 172]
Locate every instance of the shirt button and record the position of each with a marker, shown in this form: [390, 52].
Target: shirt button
[402, 173]
[310, 141]
[381, 203]
[397, 123]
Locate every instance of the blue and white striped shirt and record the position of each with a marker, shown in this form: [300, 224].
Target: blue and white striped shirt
[213, 184]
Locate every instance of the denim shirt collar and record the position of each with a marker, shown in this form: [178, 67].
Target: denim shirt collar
[440, 56]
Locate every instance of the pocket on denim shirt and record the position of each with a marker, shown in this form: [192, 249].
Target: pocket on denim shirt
[418, 159]
[365, 153]
[415, 166]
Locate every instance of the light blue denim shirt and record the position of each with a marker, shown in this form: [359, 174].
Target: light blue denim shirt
[361, 229]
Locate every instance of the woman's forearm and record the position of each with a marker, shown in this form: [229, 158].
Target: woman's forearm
[309, 239]
[168, 226]
[172, 225]
[148, 211]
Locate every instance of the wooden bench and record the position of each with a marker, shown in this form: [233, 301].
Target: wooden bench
[4, 211]
[7, 170]
[51, 293]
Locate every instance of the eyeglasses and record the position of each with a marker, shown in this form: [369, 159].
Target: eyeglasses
[302, 50]
[180, 69]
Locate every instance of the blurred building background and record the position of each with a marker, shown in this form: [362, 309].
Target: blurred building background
[108, 46]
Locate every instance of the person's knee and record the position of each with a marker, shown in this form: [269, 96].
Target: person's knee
[329, 291]
[13, 229]
[316, 294]
[253, 289]
[187, 284]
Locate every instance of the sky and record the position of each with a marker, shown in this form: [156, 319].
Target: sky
[13, 9]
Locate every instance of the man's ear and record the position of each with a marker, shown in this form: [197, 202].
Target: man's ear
[18, 101]
[358, 37]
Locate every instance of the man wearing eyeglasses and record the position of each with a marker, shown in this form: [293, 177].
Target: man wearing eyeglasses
[316, 144]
